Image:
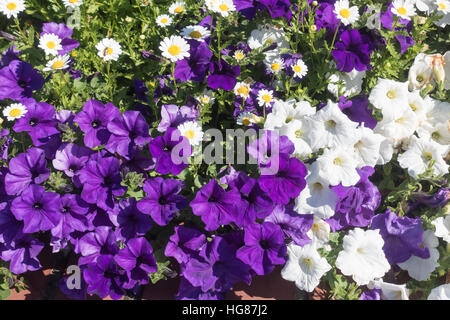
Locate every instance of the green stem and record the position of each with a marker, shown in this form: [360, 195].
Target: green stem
[218, 36]
[20, 29]
[334, 40]
[173, 76]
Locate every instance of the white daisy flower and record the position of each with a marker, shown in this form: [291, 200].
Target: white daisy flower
[346, 83]
[305, 267]
[50, 43]
[164, 20]
[390, 96]
[390, 291]
[177, 7]
[58, 63]
[300, 69]
[363, 257]
[419, 155]
[239, 55]
[367, 148]
[11, 8]
[242, 89]
[403, 9]
[265, 97]
[206, 98]
[198, 33]
[109, 49]
[224, 7]
[72, 3]
[339, 166]
[245, 119]
[443, 6]
[192, 131]
[174, 48]
[440, 293]
[442, 225]
[274, 64]
[14, 111]
[345, 13]
[418, 268]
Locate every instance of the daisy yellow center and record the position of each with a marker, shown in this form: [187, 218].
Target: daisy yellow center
[164, 20]
[239, 56]
[224, 7]
[108, 51]
[174, 50]
[275, 66]
[390, 94]
[297, 68]
[57, 64]
[73, 1]
[15, 112]
[243, 90]
[442, 6]
[402, 10]
[345, 13]
[178, 9]
[189, 134]
[267, 98]
[195, 34]
[246, 121]
[51, 45]
[11, 6]
[205, 100]
[337, 162]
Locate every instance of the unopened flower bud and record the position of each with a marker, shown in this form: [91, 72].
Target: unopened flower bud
[313, 28]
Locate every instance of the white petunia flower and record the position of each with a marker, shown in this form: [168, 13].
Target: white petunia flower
[72, 3]
[419, 155]
[265, 97]
[367, 147]
[418, 268]
[108, 49]
[351, 83]
[420, 73]
[399, 125]
[11, 8]
[391, 97]
[14, 111]
[319, 233]
[174, 48]
[224, 7]
[440, 293]
[386, 151]
[305, 267]
[198, 33]
[363, 257]
[164, 20]
[298, 131]
[50, 43]
[58, 63]
[419, 105]
[192, 131]
[266, 36]
[442, 225]
[300, 69]
[403, 9]
[345, 13]
[390, 291]
[283, 112]
[177, 7]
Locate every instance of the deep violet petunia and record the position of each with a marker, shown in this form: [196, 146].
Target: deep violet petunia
[437, 200]
[278, 8]
[130, 221]
[295, 226]
[25, 169]
[93, 120]
[101, 241]
[71, 158]
[185, 243]
[222, 75]
[217, 268]
[9, 55]
[137, 260]
[352, 51]
[194, 67]
[216, 206]
[186, 291]
[10, 227]
[22, 254]
[173, 116]
[171, 152]
[373, 294]
[358, 111]
[18, 80]
[39, 122]
[64, 33]
[264, 247]
[356, 204]
[127, 134]
[39, 210]
[287, 182]
[104, 278]
[402, 237]
[162, 200]
[101, 182]
[75, 293]
[5, 142]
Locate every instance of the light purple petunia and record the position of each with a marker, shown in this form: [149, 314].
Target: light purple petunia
[101, 241]
[172, 116]
[71, 158]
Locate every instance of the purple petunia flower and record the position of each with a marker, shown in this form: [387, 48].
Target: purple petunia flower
[222, 75]
[264, 247]
[172, 116]
[217, 268]
[215, 205]
[39, 210]
[137, 260]
[171, 152]
[187, 291]
[278, 8]
[104, 278]
[22, 253]
[64, 33]
[71, 158]
[127, 134]
[10, 227]
[162, 200]
[402, 237]
[93, 120]
[287, 182]
[357, 204]
[352, 52]
[25, 169]
[74, 294]
[5, 142]
[9, 55]
[18, 80]
[184, 244]
[295, 226]
[102, 241]
[194, 67]
[358, 110]
[437, 200]
[374, 294]
[247, 8]
[130, 221]
[101, 182]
